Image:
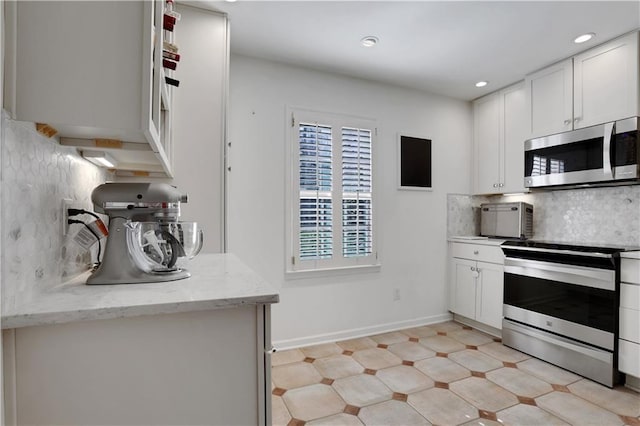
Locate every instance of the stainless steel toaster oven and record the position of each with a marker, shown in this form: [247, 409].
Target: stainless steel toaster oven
[508, 220]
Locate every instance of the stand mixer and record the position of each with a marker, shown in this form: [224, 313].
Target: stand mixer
[146, 242]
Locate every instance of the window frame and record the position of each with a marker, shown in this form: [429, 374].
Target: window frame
[337, 264]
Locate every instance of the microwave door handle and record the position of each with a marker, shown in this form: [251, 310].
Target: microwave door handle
[606, 149]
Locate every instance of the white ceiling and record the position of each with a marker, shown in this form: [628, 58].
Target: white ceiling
[440, 47]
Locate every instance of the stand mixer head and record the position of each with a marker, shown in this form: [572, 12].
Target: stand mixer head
[146, 242]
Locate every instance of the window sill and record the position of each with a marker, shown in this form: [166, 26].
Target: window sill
[331, 272]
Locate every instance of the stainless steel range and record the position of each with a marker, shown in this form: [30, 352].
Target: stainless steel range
[561, 305]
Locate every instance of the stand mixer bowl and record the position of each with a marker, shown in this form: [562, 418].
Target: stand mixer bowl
[159, 248]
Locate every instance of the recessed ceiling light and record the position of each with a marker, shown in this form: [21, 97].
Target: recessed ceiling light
[230, 1]
[369, 41]
[482, 83]
[584, 37]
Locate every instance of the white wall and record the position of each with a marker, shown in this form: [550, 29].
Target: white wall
[198, 120]
[412, 225]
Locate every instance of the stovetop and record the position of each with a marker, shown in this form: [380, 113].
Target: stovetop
[552, 245]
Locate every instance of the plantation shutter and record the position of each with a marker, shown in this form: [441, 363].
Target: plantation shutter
[315, 197]
[357, 219]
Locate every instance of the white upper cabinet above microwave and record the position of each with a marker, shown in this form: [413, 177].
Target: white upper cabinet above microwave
[93, 70]
[499, 132]
[593, 87]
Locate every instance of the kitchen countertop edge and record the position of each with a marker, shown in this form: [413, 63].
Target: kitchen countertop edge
[218, 281]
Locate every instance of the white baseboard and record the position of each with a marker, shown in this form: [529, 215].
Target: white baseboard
[355, 333]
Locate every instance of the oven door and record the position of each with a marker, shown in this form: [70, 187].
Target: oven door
[578, 302]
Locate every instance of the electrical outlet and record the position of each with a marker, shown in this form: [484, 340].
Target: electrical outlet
[66, 204]
[396, 294]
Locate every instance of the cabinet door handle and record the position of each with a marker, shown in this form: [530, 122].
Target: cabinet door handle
[567, 122]
[478, 270]
[271, 351]
[575, 120]
[501, 185]
[495, 185]
[476, 252]
[473, 269]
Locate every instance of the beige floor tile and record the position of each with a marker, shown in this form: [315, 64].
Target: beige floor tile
[446, 327]
[443, 344]
[286, 357]
[313, 402]
[279, 414]
[291, 376]
[376, 358]
[419, 332]
[475, 360]
[442, 369]
[483, 394]
[547, 372]
[411, 351]
[320, 351]
[362, 390]
[575, 410]
[502, 353]
[470, 337]
[337, 366]
[390, 338]
[620, 401]
[523, 414]
[357, 344]
[519, 382]
[391, 413]
[341, 419]
[404, 379]
[442, 407]
[486, 422]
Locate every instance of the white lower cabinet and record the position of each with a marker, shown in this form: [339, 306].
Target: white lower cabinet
[476, 285]
[629, 342]
[206, 367]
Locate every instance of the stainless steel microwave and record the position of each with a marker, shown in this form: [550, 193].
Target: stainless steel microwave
[606, 154]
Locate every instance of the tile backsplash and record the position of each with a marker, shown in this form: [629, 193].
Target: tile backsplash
[582, 216]
[37, 173]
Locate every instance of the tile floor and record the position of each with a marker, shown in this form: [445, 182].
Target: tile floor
[442, 374]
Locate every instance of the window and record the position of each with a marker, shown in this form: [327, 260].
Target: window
[331, 201]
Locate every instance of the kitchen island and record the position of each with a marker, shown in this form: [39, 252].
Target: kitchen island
[192, 351]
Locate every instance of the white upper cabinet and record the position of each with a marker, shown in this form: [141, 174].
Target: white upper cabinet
[500, 129]
[486, 137]
[606, 82]
[94, 72]
[596, 86]
[549, 98]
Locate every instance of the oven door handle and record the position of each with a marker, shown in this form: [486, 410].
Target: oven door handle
[580, 275]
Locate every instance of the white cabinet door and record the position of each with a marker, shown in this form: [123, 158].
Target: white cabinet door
[464, 278]
[549, 94]
[606, 82]
[489, 298]
[514, 128]
[486, 137]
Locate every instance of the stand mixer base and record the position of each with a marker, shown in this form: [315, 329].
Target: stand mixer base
[98, 278]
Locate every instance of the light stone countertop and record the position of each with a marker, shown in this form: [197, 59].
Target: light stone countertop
[217, 281]
[476, 240]
[631, 254]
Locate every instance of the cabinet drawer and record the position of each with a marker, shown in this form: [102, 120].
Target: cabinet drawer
[630, 271]
[629, 357]
[630, 325]
[630, 296]
[482, 253]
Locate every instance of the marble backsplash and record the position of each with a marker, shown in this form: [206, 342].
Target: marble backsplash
[37, 173]
[582, 216]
